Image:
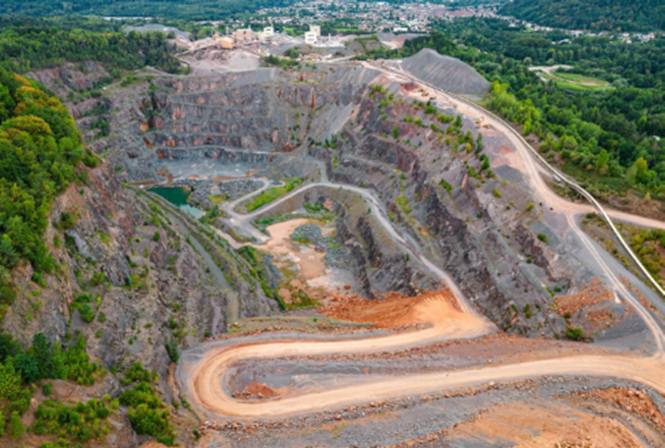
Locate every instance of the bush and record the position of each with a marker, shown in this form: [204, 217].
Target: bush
[97, 278]
[542, 237]
[575, 333]
[78, 423]
[156, 236]
[16, 427]
[147, 413]
[496, 193]
[87, 313]
[446, 185]
[68, 220]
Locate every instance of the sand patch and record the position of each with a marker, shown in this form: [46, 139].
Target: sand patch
[303, 267]
[538, 425]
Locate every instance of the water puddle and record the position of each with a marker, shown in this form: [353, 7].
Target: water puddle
[178, 197]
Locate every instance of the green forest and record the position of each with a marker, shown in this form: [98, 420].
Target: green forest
[35, 44]
[607, 138]
[40, 155]
[174, 9]
[596, 15]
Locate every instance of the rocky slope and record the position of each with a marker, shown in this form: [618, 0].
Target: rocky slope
[259, 121]
[158, 281]
[446, 73]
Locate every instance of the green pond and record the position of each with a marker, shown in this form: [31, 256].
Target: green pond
[178, 197]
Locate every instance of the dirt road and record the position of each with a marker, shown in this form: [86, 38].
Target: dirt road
[206, 379]
[541, 190]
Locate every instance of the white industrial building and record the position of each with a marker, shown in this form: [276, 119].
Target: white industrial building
[310, 37]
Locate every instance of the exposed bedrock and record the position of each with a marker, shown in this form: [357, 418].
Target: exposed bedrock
[328, 121]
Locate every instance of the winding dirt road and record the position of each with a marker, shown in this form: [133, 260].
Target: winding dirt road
[205, 381]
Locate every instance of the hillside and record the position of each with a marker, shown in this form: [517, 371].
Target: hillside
[185, 9]
[597, 15]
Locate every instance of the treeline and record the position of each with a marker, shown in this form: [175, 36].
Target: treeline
[174, 9]
[606, 137]
[597, 15]
[30, 47]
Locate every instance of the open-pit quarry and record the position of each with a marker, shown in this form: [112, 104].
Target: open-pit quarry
[393, 267]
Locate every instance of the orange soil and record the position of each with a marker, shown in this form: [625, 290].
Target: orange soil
[256, 390]
[630, 400]
[537, 425]
[593, 294]
[394, 310]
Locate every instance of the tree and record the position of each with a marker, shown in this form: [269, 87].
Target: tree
[10, 380]
[28, 366]
[396, 131]
[43, 353]
[601, 161]
[16, 427]
[569, 143]
[641, 171]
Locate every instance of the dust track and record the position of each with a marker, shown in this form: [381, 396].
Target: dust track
[206, 379]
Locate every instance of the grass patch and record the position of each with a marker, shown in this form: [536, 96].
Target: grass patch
[217, 198]
[403, 202]
[573, 81]
[273, 193]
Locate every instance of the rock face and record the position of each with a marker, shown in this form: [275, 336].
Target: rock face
[63, 79]
[446, 73]
[131, 262]
[319, 123]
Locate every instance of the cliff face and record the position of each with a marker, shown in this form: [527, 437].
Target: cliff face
[130, 261]
[485, 241]
[263, 121]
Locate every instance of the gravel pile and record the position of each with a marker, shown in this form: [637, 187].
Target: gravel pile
[446, 73]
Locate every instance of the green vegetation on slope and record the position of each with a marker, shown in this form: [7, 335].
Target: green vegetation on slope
[183, 9]
[37, 44]
[40, 153]
[603, 137]
[19, 369]
[598, 15]
[147, 414]
[273, 193]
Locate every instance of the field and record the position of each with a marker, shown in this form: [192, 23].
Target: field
[573, 81]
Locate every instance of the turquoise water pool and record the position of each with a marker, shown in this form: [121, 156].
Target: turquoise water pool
[178, 197]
